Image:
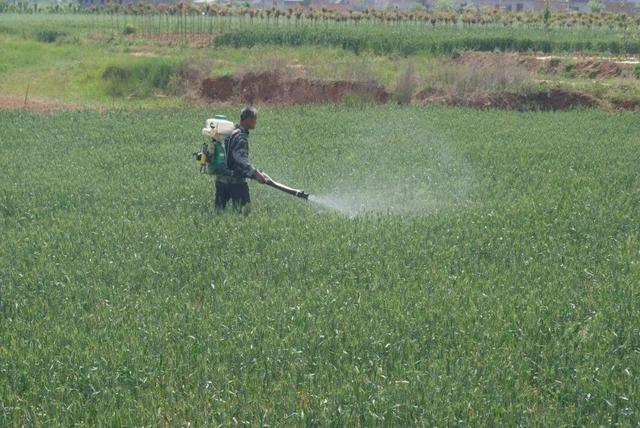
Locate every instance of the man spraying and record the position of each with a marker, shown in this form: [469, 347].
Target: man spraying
[229, 161]
[234, 186]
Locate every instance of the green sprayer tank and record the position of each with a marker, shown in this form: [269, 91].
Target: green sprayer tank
[216, 130]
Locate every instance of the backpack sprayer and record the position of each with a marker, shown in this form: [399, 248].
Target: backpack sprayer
[212, 157]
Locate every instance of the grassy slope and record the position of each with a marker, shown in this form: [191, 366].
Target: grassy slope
[69, 72]
[506, 293]
[72, 72]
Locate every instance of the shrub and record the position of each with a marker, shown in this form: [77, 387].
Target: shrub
[464, 82]
[569, 71]
[139, 79]
[636, 71]
[48, 36]
[128, 29]
[406, 84]
[117, 79]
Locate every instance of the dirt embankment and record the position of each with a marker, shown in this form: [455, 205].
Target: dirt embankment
[591, 68]
[552, 100]
[473, 80]
[270, 88]
[513, 81]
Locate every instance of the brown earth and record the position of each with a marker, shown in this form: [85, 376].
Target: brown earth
[599, 69]
[592, 68]
[552, 100]
[270, 88]
[630, 104]
[42, 106]
[484, 59]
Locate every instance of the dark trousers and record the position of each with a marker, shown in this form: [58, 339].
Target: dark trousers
[238, 193]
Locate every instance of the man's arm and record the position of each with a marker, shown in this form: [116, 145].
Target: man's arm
[240, 154]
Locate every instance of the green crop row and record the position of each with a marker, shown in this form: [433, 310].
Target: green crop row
[409, 40]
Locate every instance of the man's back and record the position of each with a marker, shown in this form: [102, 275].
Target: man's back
[237, 149]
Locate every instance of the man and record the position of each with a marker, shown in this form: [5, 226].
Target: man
[234, 187]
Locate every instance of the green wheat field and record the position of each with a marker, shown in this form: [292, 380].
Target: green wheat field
[456, 268]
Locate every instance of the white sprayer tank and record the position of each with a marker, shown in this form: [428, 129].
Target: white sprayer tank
[218, 126]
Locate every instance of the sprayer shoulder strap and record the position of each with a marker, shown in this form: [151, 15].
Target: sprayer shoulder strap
[228, 142]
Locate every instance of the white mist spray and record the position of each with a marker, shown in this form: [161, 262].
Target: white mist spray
[428, 180]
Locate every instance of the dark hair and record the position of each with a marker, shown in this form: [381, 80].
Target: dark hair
[248, 113]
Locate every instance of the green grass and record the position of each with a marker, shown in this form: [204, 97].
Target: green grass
[497, 283]
[27, 25]
[73, 72]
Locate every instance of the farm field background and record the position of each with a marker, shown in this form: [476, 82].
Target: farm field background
[404, 38]
[160, 60]
[496, 281]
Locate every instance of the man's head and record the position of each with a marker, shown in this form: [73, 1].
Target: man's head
[249, 117]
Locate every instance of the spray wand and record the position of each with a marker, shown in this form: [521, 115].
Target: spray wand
[286, 189]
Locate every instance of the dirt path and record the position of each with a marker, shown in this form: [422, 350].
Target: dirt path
[625, 60]
[13, 102]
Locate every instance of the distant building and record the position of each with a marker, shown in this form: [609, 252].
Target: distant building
[403, 5]
[291, 4]
[106, 2]
[504, 5]
[622, 6]
[629, 7]
[280, 4]
[340, 5]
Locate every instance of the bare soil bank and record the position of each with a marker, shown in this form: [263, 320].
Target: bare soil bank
[587, 67]
[271, 89]
[551, 100]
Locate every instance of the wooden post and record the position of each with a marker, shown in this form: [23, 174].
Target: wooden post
[26, 95]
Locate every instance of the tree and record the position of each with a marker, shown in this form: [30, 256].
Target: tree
[595, 6]
[547, 13]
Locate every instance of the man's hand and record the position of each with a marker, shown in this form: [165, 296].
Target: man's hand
[261, 177]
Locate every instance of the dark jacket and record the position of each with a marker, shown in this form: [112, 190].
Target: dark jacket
[237, 151]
